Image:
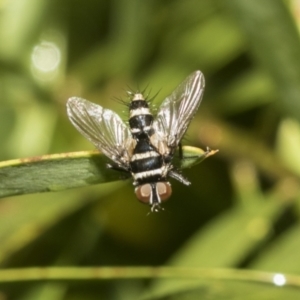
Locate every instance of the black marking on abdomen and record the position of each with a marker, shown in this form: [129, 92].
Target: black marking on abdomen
[146, 164]
[143, 145]
[140, 121]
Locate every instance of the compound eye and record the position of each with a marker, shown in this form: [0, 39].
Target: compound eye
[143, 193]
[164, 190]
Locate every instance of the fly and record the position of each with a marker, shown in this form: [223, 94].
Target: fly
[144, 149]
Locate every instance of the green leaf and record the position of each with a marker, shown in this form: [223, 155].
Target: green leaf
[50, 173]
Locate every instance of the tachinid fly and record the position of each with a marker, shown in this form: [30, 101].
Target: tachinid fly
[146, 147]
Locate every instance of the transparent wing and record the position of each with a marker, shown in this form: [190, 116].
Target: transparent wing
[102, 127]
[177, 110]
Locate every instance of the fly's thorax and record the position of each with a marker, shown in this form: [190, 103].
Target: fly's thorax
[140, 116]
[138, 105]
[137, 97]
[154, 193]
[140, 124]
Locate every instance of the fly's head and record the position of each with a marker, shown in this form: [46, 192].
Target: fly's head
[154, 194]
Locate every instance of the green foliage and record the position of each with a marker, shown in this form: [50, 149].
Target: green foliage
[242, 209]
[52, 173]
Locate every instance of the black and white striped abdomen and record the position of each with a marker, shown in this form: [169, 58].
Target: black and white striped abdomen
[141, 162]
[146, 164]
[140, 118]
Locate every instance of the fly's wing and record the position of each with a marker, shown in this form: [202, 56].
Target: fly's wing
[102, 127]
[177, 110]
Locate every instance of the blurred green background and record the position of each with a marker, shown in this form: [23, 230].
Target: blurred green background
[242, 209]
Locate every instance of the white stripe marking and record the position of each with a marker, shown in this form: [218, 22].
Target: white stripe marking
[146, 174]
[137, 97]
[135, 130]
[144, 155]
[139, 111]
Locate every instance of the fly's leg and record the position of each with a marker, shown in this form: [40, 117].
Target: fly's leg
[180, 151]
[176, 175]
[124, 171]
[168, 158]
[117, 167]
